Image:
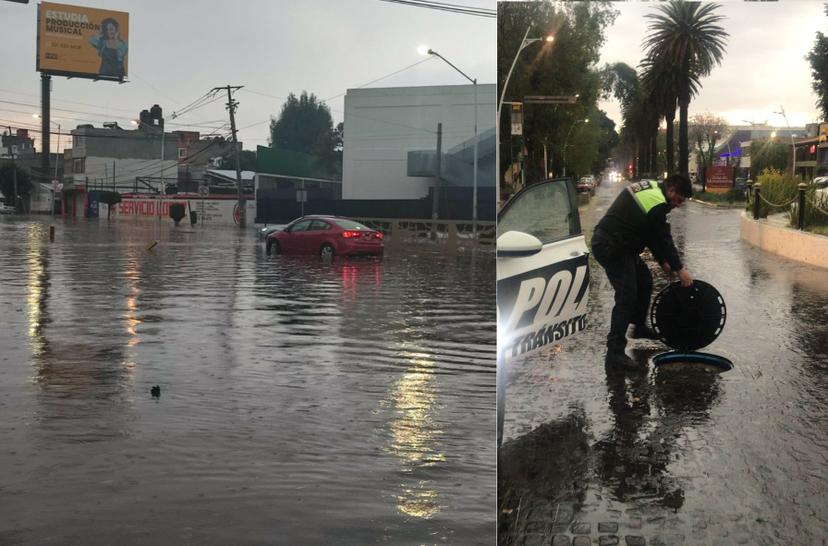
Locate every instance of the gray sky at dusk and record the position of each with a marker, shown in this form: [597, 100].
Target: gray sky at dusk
[764, 65]
[180, 50]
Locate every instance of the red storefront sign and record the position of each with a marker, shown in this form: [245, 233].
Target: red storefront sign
[718, 179]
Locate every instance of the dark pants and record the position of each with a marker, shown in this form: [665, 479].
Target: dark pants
[633, 284]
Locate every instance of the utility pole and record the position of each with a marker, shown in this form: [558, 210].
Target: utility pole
[435, 198]
[231, 106]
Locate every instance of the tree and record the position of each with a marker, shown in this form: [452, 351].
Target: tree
[768, 153]
[24, 184]
[305, 125]
[685, 35]
[705, 131]
[818, 57]
[565, 67]
[247, 161]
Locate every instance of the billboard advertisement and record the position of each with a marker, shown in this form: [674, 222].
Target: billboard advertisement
[718, 179]
[82, 42]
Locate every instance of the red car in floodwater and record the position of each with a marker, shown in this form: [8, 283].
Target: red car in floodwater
[325, 236]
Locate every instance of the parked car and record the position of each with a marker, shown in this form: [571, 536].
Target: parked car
[586, 185]
[6, 209]
[542, 274]
[327, 236]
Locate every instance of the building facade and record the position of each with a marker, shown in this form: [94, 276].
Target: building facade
[390, 141]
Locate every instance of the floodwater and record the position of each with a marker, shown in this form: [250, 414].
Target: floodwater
[667, 456]
[300, 402]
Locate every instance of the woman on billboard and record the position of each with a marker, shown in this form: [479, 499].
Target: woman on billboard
[111, 49]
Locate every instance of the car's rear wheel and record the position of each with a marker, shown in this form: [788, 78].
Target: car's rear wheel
[326, 252]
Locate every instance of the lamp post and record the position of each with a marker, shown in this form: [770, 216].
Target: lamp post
[474, 183]
[57, 151]
[793, 146]
[524, 42]
[585, 120]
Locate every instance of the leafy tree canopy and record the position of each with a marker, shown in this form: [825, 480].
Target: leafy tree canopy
[818, 57]
[305, 125]
[566, 66]
[768, 154]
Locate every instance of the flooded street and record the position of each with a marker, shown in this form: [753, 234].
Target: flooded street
[669, 457]
[300, 402]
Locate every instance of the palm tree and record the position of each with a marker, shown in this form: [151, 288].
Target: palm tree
[663, 82]
[685, 35]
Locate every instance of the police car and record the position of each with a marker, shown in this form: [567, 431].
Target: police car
[542, 273]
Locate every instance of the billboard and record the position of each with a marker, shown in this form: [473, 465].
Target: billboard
[82, 42]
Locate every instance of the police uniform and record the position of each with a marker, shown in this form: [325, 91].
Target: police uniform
[635, 220]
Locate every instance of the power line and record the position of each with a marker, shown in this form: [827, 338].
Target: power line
[454, 8]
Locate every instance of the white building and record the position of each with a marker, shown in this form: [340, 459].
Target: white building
[383, 125]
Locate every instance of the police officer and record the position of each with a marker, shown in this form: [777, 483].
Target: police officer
[635, 220]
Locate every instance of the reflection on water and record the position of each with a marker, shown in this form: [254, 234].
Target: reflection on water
[302, 402]
[413, 437]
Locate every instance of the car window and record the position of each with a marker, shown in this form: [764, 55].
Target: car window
[350, 224]
[319, 225]
[300, 226]
[543, 210]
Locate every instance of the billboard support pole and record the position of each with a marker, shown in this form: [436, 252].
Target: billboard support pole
[45, 119]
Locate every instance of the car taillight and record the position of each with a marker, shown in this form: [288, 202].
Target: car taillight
[351, 234]
[378, 235]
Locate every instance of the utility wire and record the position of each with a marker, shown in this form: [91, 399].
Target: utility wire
[454, 8]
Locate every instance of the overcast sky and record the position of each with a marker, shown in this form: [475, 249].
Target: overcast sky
[764, 65]
[180, 50]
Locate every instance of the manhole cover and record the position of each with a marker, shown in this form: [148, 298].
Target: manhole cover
[688, 318]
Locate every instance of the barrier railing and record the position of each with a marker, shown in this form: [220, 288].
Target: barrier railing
[449, 235]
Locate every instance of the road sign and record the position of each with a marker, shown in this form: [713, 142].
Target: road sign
[204, 190]
[517, 119]
[550, 99]
[301, 196]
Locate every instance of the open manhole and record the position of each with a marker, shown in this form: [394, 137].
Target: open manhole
[688, 319]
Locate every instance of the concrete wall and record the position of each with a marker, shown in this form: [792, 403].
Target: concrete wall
[383, 125]
[211, 211]
[788, 242]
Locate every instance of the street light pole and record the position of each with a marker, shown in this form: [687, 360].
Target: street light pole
[474, 183]
[585, 120]
[793, 146]
[523, 43]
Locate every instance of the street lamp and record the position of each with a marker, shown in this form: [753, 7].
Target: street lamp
[474, 183]
[585, 120]
[525, 42]
[793, 146]
[57, 151]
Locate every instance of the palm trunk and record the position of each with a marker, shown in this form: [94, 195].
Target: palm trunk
[684, 154]
[654, 153]
[670, 117]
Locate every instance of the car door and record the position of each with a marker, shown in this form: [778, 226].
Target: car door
[320, 232]
[292, 242]
[542, 275]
